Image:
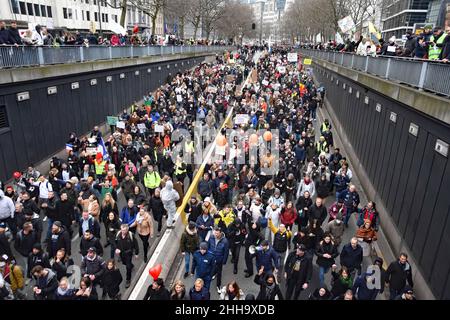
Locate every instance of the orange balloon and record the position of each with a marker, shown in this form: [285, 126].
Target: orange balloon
[253, 139]
[267, 136]
[221, 140]
[155, 271]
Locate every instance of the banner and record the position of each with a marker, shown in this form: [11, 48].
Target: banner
[111, 120]
[346, 24]
[307, 61]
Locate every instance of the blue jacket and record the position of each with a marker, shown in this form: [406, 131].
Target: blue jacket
[208, 224]
[349, 198]
[202, 295]
[300, 153]
[351, 258]
[203, 265]
[220, 251]
[341, 183]
[361, 290]
[127, 217]
[265, 258]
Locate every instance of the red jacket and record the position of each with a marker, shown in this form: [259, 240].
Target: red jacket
[288, 216]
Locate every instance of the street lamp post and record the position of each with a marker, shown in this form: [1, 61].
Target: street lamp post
[99, 17]
[261, 21]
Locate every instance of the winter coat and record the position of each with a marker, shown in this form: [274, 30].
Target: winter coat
[61, 240]
[64, 211]
[157, 208]
[397, 275]
[316, 296]
[127, 245]
[159, 294]
[351, 199]
[189, 241]
[194, 211]
[324, 248]
[334, 211]
[48, 285]
[40, 259]
[203, 265]
[205, 188]
[93, 242]
[169, 196]
[319, 213]
[203, 227]
[264, 290]
[198, 296]
[266, 258]
[280, 239]
[111, 229]
[361, 290]
[368, 235]
[336, 231]
[60, 268]
[303, 187]
[339, 285]
[306, 268]
[351, 258]
[7, 207]
[224, 295]
[93, 226]
[341, 183]
[128, 215]
[111, 281]
[323, 188]
[288, 216]
[219, 248]
[24, 243]
[95, 266]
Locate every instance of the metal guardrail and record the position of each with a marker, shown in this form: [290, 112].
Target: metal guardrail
[422, 74]
[24, 56]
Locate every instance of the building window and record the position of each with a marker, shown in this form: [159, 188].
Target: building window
[3, 118]
[43, 11]
[106, 18]
[82, 15]
[15, 6]
[65, 13]
[87, 1]
[88, 16]
[49, 12]
[96, 16]
[23, 9]
[36, 10]
[30, 9]
[95, 2]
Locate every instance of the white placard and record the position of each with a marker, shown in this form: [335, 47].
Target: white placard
[281, 69]
[346, 24]
[159, 128]
[292, 57]
[220, 150]
[241, 119]
[142, 127]
[265, 82]
[91, 151]
[120, 125]
[179, 98]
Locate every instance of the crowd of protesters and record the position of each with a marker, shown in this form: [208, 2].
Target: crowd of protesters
[41, 36]
[432, 44]
[278, 217]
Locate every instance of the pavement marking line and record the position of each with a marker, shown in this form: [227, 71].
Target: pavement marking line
[180, 211]
[75, 238]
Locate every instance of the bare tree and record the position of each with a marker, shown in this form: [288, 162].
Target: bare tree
[212, 11]
[178, 10]
[151, 8]
[236, 21]
[194, 14]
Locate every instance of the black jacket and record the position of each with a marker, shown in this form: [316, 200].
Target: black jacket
[263, 290]
[48, 286]
[60, 268]
[194, 211]
[304, 274]
[111, 229]
[111, 281]
[323, 248]
[94, 267]
[40, 259]
[5, 248]
[93, 242]
[318, 213]
[157, 207]
[61, 240]
[64, 212]
[160, 294]
[127, 245]
[14, 36]
[24, 243]
[397, 275]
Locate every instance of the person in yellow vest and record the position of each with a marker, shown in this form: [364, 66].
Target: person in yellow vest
[325, 125]
[224, 218]
[321, 145]
[152, 180]
[180, 169]
[436, 43]
[100, 166]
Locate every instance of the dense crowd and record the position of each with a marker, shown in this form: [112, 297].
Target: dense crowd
[432, 44]
[40, 36]
[278, 217]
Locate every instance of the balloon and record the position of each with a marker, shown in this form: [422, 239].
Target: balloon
[253, 139]
[155, 271]
[221, 140]
[267, 136]
[136, 29]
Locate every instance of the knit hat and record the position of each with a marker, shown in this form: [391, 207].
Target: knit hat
[204, 246]
[37, 246]
[57, 223]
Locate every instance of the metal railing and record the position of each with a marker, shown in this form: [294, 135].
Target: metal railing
[422, 74]
[23, 56]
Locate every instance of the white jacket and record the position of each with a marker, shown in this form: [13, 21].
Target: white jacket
[6, 206]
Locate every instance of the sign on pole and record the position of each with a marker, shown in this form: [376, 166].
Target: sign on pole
[346, 24]
[120, 124]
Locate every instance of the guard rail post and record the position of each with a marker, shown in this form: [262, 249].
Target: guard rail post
[366, 67]
[131, 51]
[423, 75]
[41, 56]
[110, 53]
[388, 68]
[81, 54]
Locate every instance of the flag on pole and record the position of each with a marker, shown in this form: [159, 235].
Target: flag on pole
[375, 35]
[102, 149]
